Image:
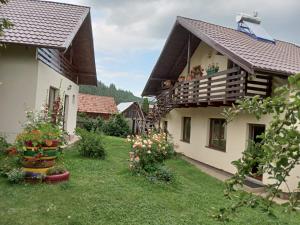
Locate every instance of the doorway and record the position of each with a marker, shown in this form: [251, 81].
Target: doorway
[66, 112]
[254, 131]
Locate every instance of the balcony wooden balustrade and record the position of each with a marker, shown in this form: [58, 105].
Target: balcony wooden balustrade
[57, 61]
[220, 89]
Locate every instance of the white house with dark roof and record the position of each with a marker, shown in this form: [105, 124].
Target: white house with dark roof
[50, 47]
[204, 68]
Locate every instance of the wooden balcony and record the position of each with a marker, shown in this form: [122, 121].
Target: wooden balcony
[222, 88]
[57, 61]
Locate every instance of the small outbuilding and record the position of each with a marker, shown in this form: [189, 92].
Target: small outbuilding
[97, 106]
[133, 114]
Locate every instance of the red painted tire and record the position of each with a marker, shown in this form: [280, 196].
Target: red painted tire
[57, 178]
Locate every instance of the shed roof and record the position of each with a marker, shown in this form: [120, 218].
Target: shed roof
[124, 105]
[96, 104]
[53, 25]
[249, 53]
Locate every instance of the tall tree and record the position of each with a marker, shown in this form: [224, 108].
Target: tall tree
[145, 105]
[111, 90]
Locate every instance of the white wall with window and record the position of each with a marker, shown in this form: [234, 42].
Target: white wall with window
[50, 84]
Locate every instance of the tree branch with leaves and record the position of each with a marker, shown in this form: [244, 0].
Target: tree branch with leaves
[276, 155]
[4, 23]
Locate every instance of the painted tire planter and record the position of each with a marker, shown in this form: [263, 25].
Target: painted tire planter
[57, 178]
[46, 154]
[28, 163]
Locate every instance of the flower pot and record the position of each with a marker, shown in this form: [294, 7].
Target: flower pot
[57, 178]
[51, 143]
[47, 153]
[33, 163]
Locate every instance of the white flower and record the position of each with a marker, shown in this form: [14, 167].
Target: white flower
[149, 152]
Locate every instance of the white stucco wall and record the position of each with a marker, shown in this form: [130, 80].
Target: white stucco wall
[18, 78]
[47, 77]
[24, 85]
[236, 138]
[205, 55]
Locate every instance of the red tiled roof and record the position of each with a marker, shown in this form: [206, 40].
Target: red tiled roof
[42, 23]
[281, 57]
[96, 104]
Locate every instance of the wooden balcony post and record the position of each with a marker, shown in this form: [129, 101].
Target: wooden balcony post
[208, 89]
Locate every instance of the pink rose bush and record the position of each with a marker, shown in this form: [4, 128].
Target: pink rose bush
[148, 153]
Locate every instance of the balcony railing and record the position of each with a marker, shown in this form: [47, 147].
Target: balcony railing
[223, 87]
[56, 60]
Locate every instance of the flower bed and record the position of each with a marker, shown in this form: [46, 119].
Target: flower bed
[149, 153]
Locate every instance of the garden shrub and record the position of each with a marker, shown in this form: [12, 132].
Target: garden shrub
[55, 170]
[148, 155]
[162, 173]
[16, 176]
[91, 144]
[3, 145]
[8, 163]
[117, 126]
[90, 124]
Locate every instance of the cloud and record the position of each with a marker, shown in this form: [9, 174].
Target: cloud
[124, 30]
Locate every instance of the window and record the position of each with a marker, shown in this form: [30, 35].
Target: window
[53, 94]
[217, 137]
[186, 129]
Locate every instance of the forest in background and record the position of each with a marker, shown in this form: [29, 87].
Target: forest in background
[111, 90]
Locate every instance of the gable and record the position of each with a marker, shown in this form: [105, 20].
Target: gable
[57, 26]
[250, 54]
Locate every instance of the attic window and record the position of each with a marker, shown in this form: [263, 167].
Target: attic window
[251, 25]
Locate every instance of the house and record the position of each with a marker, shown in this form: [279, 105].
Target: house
[97, 106]
[49, 51]
[133, 114]
[204, 68]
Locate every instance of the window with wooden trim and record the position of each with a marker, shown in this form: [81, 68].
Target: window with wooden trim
[217, 134]
[186, 129]
[53, 94]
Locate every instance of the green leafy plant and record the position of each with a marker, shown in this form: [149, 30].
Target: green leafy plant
[145, 105]
[3, 145]
[116, 126]
[278, 152]
[149, 153]
[90, 124]
[55, 170]
[90, 144]
[43, 128]
[7, 163]
[15, 176]
[4, 22]
[162, 173]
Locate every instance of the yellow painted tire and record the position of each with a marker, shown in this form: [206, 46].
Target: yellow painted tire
[36, 170]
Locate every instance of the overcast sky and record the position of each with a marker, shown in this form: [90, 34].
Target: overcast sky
[129, 35]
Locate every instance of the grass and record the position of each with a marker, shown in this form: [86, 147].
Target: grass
[104, 192]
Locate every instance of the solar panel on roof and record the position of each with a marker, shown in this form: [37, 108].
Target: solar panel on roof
[259, 31]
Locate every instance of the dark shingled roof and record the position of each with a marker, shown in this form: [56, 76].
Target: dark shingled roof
[53, 25]
[251, 54]
[281, 57]
[42, 23]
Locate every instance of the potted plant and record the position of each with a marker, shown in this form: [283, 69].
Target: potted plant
[212, 68]
[56, 174]
[41, 139]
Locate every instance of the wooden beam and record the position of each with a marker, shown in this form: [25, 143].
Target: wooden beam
[189, 54]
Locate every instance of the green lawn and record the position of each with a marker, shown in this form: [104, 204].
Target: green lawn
[104, 192]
